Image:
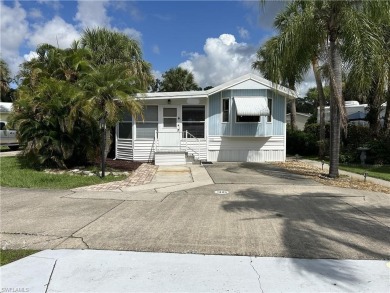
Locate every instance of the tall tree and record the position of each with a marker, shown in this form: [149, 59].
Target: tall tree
[109, 90]
[178, 80]
[285, 21]
[275, 67]
[349, 33]
[5, 77]
[112, 47]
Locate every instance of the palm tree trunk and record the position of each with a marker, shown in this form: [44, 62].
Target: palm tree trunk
[321, 100]
[386, 124]
[108, 142]
[336, 105]
[293, 109]
[374, 108]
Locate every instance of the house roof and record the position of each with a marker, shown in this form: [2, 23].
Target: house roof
[250, 76]
[205, 94]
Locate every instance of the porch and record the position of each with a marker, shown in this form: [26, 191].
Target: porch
[168, 147]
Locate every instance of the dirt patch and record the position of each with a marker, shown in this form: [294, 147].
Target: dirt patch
[343, 181]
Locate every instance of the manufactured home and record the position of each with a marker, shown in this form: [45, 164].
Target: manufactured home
[243, 120]
[356, 113]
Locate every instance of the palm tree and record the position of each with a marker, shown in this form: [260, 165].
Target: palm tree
[109, 91]
[50, 124]
[5, 77]
[288, 19]
[178, 80]
[112, 47]
[275, 67]
[349, 33]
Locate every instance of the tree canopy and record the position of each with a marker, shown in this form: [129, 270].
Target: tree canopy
[178, 80]
[348, 33]
[64, 92]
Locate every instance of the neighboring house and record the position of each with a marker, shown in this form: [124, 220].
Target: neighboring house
[243, 120]
[301, 119]
[356, 113]
[5, 110]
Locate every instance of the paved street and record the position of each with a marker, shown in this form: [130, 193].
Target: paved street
[266, 212]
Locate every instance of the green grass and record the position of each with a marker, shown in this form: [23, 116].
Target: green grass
[380, 172]
[10, 255]
[12, 174]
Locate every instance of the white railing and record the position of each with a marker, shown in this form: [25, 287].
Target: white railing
[172, 141]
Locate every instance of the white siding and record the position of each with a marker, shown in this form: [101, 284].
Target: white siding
[246, 149]
[143, 150]
[124, 149]
[170, 158]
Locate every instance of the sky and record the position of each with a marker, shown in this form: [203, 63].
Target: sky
[215, 40]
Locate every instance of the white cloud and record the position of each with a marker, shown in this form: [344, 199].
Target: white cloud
[132, 33]
[223, 59]
[244, 34]
[156, 49]
[30, 56]
[14, 28]
[35, 13]
[56, 32]
[92, 14]
[55, 4]
[308, 82]
[157, 74]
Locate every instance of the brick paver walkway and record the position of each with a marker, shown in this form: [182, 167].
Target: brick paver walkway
[143, 175]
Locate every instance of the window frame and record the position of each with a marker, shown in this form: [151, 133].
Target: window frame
[228, 110]
[145, 122]
[127, 121]
[270, 117]
[189, 122]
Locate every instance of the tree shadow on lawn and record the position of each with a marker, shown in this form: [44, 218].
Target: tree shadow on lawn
[319, 226]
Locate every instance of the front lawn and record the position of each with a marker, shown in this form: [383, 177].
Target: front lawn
[380, 172]
[10, 255]
[12, 174]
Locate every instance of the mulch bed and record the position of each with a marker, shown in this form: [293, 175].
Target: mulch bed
[123, 165]
[343, 181]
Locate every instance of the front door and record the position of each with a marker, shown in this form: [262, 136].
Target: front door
[170, 133]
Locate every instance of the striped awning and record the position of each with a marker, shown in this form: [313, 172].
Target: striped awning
[251, 106]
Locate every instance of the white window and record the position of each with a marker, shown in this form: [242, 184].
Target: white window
[146, 128]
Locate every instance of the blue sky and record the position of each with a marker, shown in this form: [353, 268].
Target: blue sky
[216, 40]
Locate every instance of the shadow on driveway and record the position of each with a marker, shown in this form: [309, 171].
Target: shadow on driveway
[314, 225]
[254, 173]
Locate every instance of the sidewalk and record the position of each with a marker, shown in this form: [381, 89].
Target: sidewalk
[126, 271]
[350, 174]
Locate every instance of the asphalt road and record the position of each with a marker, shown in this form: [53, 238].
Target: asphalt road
[262, 211]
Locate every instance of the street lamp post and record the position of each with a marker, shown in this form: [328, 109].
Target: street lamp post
[102, 124]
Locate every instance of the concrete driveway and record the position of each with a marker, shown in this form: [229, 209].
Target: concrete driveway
[262, 211]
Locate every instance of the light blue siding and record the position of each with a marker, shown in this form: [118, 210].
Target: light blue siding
[232, 128]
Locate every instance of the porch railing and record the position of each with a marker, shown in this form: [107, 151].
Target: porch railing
[173, 141]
